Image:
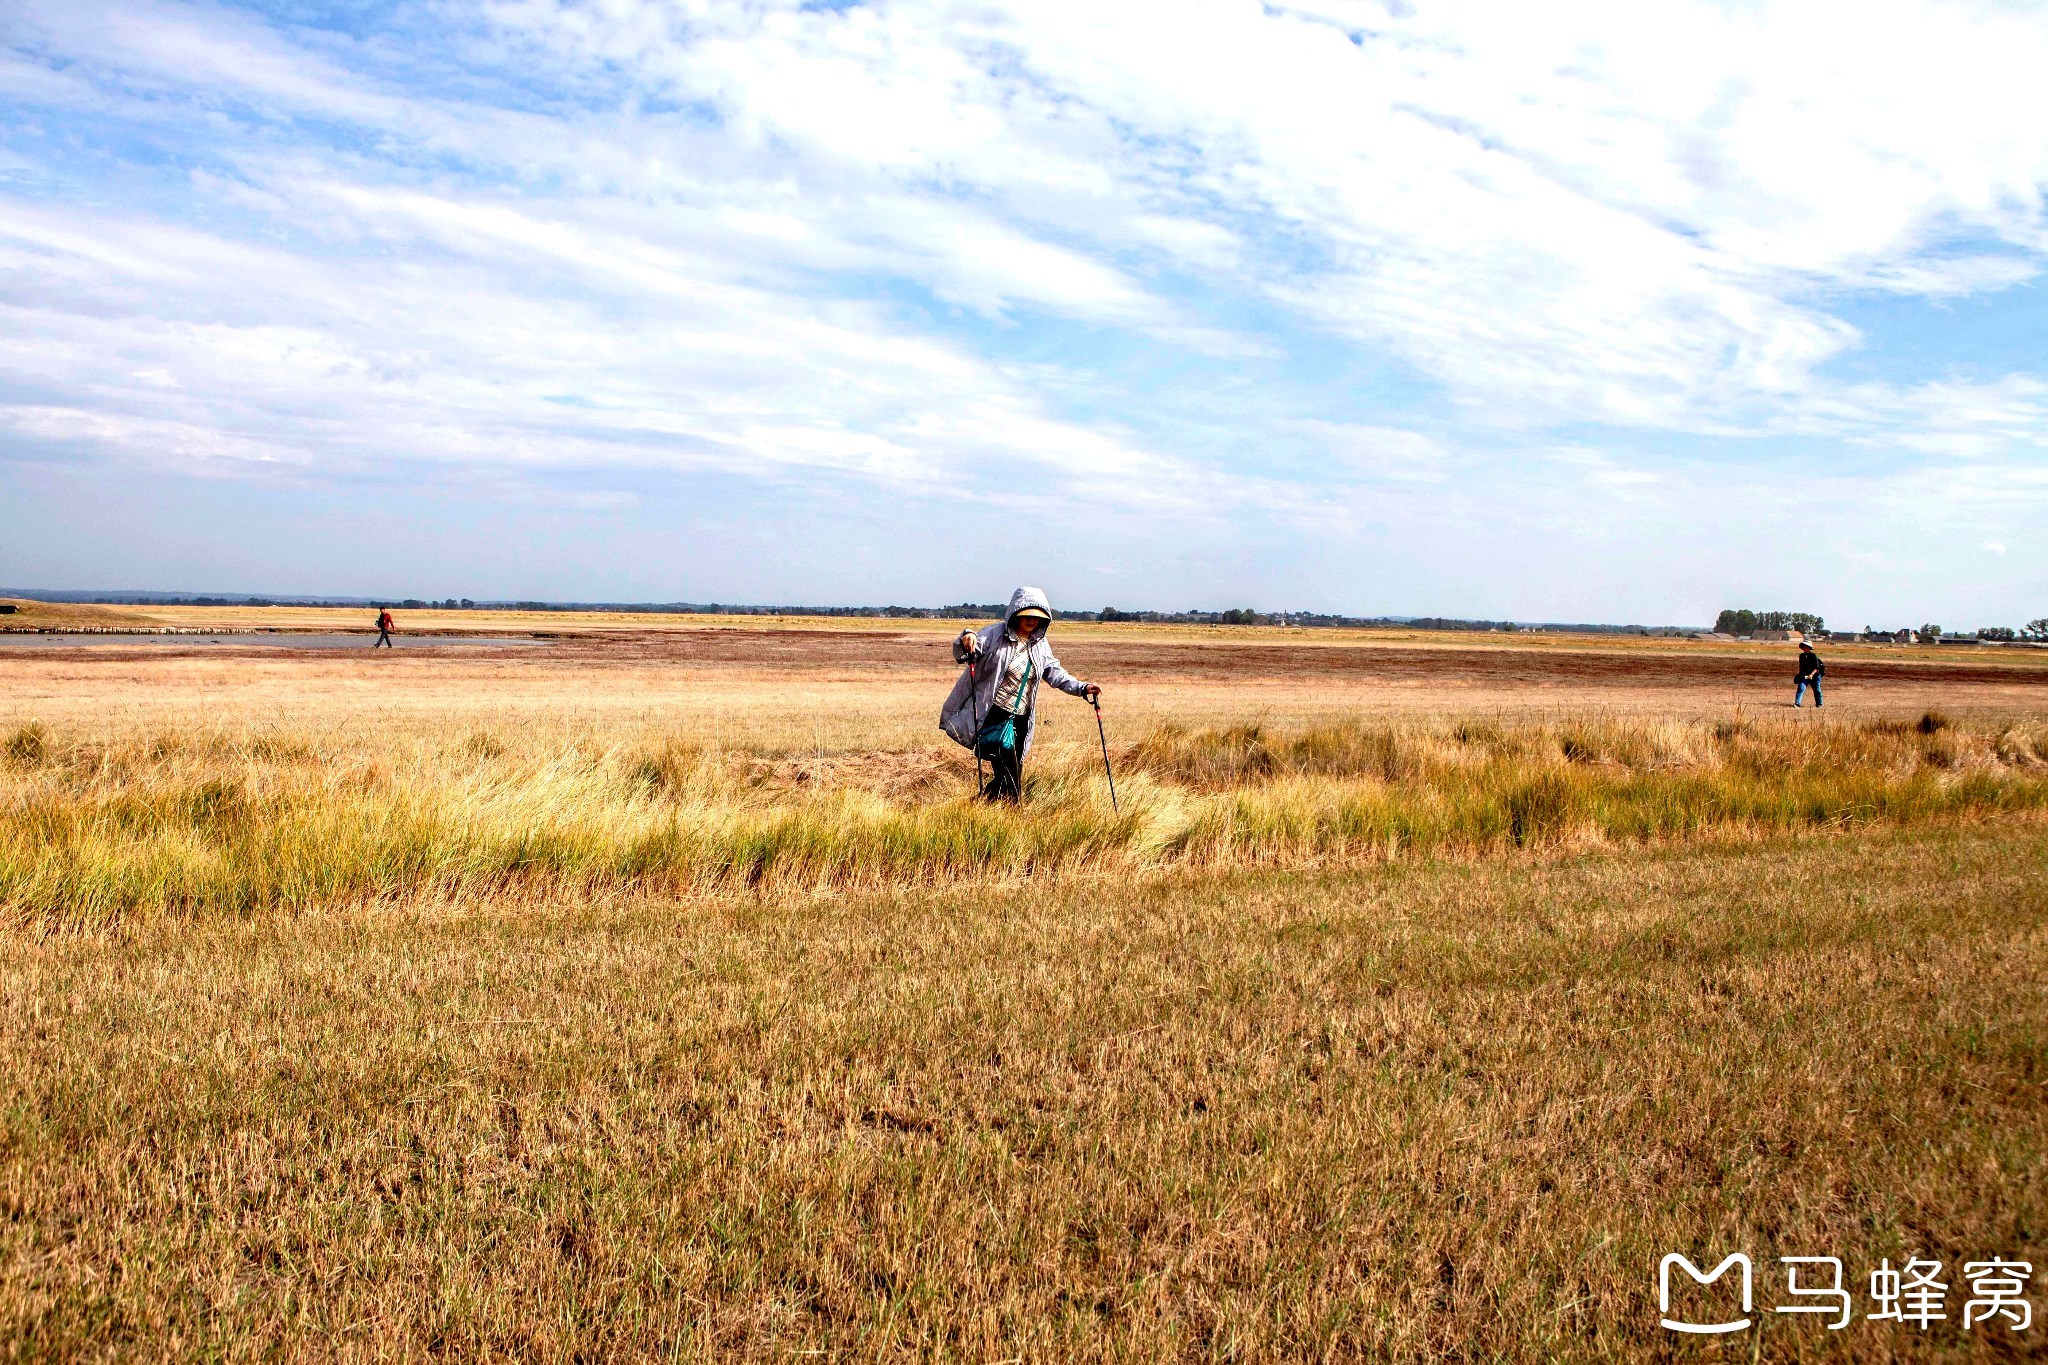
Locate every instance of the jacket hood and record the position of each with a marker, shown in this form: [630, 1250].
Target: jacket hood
[1028, 597]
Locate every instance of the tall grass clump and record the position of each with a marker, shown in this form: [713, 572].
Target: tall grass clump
[190, 822]
[25, 747]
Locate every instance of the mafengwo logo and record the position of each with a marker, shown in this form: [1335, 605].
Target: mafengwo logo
[1706, 1302]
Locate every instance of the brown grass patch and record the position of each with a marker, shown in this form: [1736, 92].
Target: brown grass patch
[1415, 1113]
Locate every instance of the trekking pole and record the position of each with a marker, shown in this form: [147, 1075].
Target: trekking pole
[1103, 735]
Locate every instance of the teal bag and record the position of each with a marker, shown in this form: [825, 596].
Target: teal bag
[996, 739]
[1000, 738]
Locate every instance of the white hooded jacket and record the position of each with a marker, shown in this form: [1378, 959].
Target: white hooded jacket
[975, 692]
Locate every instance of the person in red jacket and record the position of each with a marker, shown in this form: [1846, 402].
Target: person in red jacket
[384, 625]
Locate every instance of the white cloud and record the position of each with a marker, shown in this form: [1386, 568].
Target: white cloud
[1377, 452]
[1117, 255]
[648, 360]
[1580, 212]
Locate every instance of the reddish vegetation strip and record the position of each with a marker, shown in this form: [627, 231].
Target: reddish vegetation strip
[1619, 668]
[1135, 660]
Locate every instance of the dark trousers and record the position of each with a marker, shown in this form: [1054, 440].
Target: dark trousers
[383, 638]
[1006, 761]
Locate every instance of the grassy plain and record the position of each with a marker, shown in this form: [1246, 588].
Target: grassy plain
[656, 994]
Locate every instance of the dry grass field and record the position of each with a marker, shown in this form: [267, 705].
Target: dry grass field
[654, 992]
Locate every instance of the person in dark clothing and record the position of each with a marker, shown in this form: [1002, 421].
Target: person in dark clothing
[1005, 760]
[384, 624]
[1809, 675]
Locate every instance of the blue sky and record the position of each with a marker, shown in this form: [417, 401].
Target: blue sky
[1575, 311]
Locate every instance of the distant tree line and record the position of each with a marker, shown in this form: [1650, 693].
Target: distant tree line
[1451, 623]
[2034, 631]
[1743, 621]
[1245, 616]
[1233, 616]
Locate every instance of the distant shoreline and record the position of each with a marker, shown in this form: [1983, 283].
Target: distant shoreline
[1193, 616]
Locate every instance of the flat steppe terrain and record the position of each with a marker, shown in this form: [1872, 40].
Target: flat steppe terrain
[849, 683]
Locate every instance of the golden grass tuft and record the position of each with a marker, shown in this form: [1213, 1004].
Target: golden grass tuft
[192, 821]
[25, 747]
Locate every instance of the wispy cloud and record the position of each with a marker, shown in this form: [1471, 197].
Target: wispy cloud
[1305, 270]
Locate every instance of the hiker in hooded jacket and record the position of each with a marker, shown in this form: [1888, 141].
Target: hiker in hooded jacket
[992, 707]
[1811, 671]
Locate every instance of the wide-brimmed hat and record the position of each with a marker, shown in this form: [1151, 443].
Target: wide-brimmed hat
[1040, 612]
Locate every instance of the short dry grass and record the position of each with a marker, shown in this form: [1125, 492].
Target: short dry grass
[376, 1017]
[1421, 1111]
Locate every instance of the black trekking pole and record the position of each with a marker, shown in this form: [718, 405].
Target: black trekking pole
[1103, 735]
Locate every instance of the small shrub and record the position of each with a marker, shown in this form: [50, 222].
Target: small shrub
[1482, 734]
[28, 746]
[2017, 748]
[1933, 722]
[668, 768]
[281, 749]
[1541, 808]
[216, 804]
